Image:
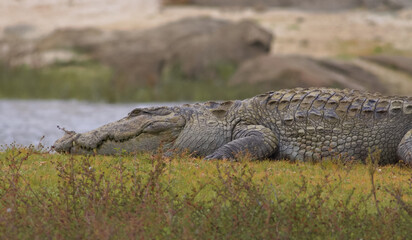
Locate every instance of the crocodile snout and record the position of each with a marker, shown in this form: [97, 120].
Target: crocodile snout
[65, 144]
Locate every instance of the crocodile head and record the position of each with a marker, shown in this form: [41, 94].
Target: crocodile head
[144, 129]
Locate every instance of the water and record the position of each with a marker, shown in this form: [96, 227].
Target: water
[26, 122]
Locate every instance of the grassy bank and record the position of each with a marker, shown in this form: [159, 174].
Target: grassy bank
[45, 195]
[92, 81]
[83, 81]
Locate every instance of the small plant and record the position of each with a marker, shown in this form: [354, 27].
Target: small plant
[45, 195]
[372, 162]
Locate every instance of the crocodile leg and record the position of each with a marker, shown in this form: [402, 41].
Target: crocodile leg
[256, 140]
[405, 148]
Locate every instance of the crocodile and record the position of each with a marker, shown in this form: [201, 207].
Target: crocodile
[298, 124]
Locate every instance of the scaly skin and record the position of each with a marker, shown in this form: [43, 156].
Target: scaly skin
[297, 124]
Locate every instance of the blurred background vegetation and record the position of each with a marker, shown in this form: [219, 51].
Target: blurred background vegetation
[194, 50]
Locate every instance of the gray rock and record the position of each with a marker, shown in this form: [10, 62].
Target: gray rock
[196, 45]
[62, 45]
[400, 63]
[297, 71]
[233, 43]
[84, 39]
[309, 4]
[140, 57]
[18, 30]
[354, 73]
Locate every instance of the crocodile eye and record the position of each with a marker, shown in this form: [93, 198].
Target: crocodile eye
[135, 112]
[160, 111]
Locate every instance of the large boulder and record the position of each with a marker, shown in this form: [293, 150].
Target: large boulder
[400, 63]
[83, 39]
[195, 45]
[306, 4]
[61, 45]
[231, 43]
[277, 72]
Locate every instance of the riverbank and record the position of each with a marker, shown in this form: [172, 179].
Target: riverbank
[93, 81]
[46, 60]
[47, 195]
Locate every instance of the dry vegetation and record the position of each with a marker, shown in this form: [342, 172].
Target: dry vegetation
[45, 195]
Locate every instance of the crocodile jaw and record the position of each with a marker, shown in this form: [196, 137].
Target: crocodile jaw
[65, 144]
[145, 131]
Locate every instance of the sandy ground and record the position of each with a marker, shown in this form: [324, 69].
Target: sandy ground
[354, 32]
[47, 15]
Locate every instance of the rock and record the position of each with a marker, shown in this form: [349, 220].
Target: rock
[195, 45]
[176, 2]
[232, 43]
[62, 45]
[277, 72]
[18, 30]
[139, 57]
[84, 39]
[309, 4]
[354, 73]
[400, 63]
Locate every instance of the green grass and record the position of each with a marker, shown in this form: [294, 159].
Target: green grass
[45, 195]
[175, 86]
[350, 49]
[92, 81]
[83, 81]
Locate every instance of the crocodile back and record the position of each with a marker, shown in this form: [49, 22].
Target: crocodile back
[333, 104]
[326, 121]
